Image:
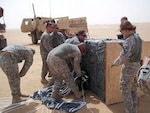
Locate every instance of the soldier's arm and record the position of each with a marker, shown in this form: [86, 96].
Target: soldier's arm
[28, 62]
[46, 41]
[76, 62]
[124, 54]
[63, 37]
[119, 60]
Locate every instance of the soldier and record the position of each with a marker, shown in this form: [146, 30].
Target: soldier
[58, 60]
[129, 58]
[57, 37]
[45, 47]
[10, 56]
[123, 19]
[78, 38]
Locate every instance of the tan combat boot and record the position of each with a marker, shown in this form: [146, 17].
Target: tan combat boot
[23, 95]
[17, 99]
[43, 80]
[78, 94]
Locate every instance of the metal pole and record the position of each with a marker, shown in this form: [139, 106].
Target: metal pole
[33, 10]
[50, 8]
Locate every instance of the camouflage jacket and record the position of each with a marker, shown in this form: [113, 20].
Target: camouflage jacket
[131, 50]
[73, 40]
[45, 44]
[70, 53]
[57, 38]
[19, 53]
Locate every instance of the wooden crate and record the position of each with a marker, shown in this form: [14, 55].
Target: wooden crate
[112, 75]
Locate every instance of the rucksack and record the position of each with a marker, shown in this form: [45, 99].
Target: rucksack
[143, 76]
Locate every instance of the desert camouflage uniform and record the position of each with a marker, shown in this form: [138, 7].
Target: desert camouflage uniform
[48, 42]
[45, 47]
[73, 40]
[57, 38]
[130, 58]
[58, 60]
[10, 56]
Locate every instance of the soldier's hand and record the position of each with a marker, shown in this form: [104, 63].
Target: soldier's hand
[20, 61]
[21, 75]
[112, 65]
[80, 75]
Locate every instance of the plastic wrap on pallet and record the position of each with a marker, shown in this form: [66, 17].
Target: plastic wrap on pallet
[93, 62]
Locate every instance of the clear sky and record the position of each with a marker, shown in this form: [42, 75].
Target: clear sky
[96, 11]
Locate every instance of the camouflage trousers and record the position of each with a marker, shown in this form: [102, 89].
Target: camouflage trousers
[128, 87]
[44, 66]
[61, 72]
[10, 67]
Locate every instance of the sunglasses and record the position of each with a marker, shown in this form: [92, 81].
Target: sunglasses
[121, 30]
[84, 35]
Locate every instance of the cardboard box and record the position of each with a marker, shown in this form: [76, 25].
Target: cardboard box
[112, 75]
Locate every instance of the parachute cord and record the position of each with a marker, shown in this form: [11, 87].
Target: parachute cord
[84, 96]
[82, 90]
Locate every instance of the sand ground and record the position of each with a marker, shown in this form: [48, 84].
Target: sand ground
[31, 82]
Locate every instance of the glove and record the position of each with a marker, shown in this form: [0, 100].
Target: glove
[84, 76]
[83, 73]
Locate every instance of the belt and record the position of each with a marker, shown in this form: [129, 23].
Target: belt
[133, 63]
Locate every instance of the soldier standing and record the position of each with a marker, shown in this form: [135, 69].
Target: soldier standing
[57, 37]
[58, 60]
[129, 58]
[123, 19]
[45, 47]
[10, 56]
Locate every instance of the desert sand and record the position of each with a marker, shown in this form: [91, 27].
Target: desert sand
[31, 81]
